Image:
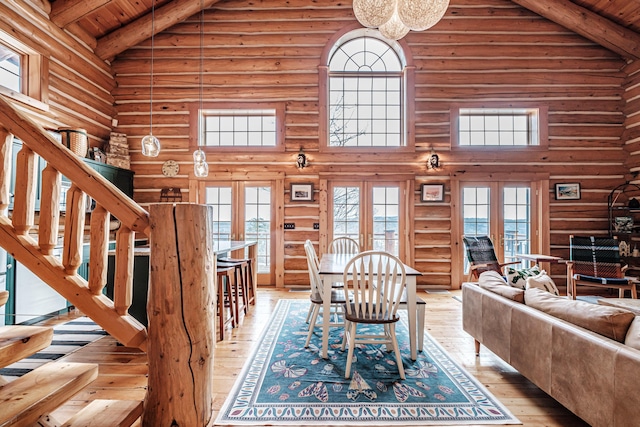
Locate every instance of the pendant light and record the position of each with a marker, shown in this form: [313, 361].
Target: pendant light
[200, 166]
[394, 29]
[151, 144]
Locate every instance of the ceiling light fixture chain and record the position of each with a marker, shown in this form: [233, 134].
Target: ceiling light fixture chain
[151, 144]
[200, 166]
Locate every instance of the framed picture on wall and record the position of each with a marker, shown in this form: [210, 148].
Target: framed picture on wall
[569, 191]
[432, 192]
[301, 192]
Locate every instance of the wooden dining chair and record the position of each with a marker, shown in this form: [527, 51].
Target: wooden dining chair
[375, 283]
[317, 295]
[344, 245]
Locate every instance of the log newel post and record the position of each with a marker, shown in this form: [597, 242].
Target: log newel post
[181, 312]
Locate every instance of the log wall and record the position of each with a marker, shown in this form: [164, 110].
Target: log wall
[78, 86]
[483, 53]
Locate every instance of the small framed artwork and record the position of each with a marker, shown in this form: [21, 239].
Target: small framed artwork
[301, 192]
[432, 192]
[570, 191]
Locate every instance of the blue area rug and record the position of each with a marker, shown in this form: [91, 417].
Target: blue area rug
[284, 383]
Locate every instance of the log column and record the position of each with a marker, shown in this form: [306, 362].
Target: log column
[181, 311]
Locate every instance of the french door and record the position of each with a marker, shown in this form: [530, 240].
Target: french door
[372, 213]
[504, 211]
[243, 210]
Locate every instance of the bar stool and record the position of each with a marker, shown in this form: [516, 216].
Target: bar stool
[237, 288]
[224, 281]
[245, 269]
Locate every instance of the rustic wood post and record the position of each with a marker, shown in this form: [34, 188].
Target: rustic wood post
[181, 311]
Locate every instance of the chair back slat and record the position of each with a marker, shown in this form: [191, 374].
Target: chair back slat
[480, 251]
[344, 245]
[595, 256]
[314, 270]
[376, 281]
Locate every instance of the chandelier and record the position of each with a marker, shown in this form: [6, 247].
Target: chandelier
[395, 18]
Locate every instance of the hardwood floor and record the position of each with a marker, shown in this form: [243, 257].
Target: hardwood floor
[123, 370]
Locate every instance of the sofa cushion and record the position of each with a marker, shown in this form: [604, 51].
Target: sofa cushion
[492, 281]
[633, 334]
[517, 277]
[542, 281]
[611, 322]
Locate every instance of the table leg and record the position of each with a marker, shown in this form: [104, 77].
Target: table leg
[412, 311]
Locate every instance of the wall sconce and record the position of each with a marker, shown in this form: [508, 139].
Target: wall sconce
[434, 160]
[301, 161]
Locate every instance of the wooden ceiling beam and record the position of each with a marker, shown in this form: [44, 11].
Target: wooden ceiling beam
[588, 24]
[64, 12]
[139, 30]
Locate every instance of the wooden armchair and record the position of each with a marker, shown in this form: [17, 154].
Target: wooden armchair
[595, 261]
[482, 256]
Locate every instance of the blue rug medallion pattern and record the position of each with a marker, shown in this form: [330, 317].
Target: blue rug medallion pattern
[284, 383]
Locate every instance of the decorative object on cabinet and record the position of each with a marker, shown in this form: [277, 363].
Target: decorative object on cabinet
[75, 140]
[568, 191]
[623, 248]
[432, 192]
[170, 168]
[623, 224]
[301, 192]
[170, 194]
[118, 151]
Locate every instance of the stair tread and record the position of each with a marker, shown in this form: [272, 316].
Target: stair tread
[42, 390]
[18, 342]
[107, 413]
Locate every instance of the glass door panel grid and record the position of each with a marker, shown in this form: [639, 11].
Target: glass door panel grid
[385, 219]
[258, 223]
[517, 222]
[220, 199]
[476, 214]
[346, 212]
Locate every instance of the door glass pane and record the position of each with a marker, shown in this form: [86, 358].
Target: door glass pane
[257, 223]
[476, 208]
[346, 212]
[220, 199]
[385, 219]
[517, 222]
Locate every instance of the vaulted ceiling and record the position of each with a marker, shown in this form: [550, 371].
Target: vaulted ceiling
[112, 26]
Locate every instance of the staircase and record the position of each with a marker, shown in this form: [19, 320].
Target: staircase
[22, 402]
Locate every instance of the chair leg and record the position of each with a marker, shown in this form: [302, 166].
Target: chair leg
[396, 349]
[311, 308]
[315, 308]
[347, 325]
[352, 344]
[421, 308]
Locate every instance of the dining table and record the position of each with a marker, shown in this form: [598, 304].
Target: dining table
[332, 269]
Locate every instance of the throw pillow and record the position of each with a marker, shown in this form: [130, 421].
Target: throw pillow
[611, 322]
[542, 281]
[492, 281]
[518, 277]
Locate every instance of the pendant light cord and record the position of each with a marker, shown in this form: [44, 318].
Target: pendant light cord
[201, 68]
[153, 30]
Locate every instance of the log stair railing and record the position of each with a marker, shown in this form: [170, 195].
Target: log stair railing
[35, 250]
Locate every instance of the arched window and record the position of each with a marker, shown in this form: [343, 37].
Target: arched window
[366, 92]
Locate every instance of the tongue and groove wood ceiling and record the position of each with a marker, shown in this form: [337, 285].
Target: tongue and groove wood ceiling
[112, 26]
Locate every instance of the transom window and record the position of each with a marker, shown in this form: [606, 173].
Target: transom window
[239, 128]
[10, 68]
[366, 88]
[498, 127]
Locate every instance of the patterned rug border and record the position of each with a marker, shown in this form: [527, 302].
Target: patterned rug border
[242, 395]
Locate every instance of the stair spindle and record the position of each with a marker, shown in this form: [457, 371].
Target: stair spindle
[98, 252]
[73, 230]
[123, 287]
[6, 140]
[25, 191]
[49, 210]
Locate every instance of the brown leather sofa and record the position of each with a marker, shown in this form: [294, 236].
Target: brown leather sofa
[594, 376]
